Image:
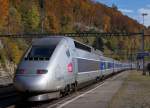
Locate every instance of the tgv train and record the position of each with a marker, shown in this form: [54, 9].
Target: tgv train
[60, 64]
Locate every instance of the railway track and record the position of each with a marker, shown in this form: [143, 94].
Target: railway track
[6, 90]
[8, 95]
[5, 81]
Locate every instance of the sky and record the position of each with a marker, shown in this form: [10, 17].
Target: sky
[132, 8]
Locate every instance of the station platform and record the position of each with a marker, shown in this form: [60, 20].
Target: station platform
[98, 97]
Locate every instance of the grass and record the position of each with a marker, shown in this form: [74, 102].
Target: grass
[134, 93]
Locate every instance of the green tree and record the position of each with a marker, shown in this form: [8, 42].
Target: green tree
[32, 20]
[30, 17]
[15, 21]
[66, 22]
[52, 24]
[12, 50]
[109, 45]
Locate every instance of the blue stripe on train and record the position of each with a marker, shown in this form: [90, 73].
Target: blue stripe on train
[102, 66]
[106, 65]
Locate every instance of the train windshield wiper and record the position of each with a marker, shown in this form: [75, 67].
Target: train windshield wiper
[37, 58]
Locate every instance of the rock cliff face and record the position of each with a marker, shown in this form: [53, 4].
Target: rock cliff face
[8, 71]
[2, 72]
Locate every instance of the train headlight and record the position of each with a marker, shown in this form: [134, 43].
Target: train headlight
[42, 71]
[20, 71]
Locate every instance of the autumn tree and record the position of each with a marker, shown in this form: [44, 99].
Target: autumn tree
[4, 11]
[52, 24]
[15, 21]
[12, 50]
[33, 19]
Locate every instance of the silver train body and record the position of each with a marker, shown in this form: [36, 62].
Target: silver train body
[57, 64]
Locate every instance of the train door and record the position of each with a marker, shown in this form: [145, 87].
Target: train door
[71, 63]
[75, 68]
[101, 68]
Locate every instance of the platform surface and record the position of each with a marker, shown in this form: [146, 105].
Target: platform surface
[98, 97]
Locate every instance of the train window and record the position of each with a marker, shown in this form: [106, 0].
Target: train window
[110, 65]
[41, 52]
[81, 46]
[102, 65]
[106, 65]
[87, 65]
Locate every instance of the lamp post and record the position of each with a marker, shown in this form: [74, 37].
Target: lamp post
[144, 14]
[42, 6]
[142, 44]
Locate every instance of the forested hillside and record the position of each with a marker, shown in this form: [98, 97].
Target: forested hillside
[61, 16]
[18, 16]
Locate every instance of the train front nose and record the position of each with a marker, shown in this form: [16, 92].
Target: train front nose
[30, 83]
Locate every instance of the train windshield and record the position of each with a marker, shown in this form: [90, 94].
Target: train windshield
[41, 52]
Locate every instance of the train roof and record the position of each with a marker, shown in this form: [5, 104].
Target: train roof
[46, 40]
[53, 40]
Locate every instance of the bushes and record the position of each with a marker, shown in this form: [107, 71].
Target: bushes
[2, 57]
[13, 52]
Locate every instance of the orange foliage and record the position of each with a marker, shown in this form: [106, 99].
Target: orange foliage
[4, 7]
